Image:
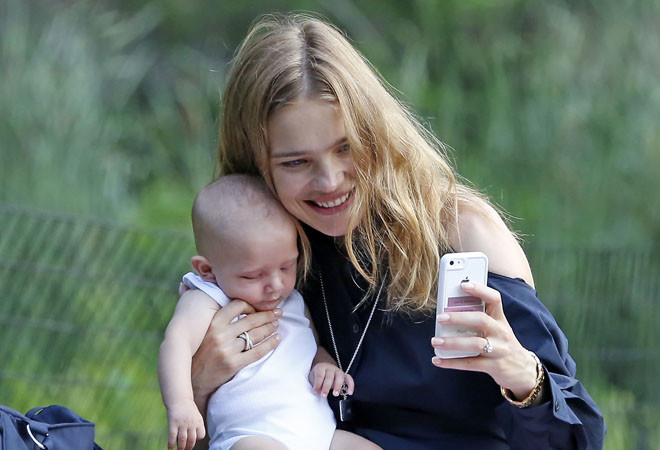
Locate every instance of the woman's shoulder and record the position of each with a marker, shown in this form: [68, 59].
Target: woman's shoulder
[481, 228]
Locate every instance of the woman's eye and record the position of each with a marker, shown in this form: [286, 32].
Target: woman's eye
[249, 277]
[293, 163]
[345, 148]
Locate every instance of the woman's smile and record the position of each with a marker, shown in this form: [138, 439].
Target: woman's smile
[332, 204]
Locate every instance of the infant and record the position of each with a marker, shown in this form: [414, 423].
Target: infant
[248, 250]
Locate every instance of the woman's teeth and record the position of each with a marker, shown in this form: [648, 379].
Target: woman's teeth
[334, 203]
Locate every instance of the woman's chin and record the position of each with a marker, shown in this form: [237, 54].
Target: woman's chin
[329, 221]
[329, 225]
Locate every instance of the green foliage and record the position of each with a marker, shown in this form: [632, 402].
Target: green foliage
[92, 115]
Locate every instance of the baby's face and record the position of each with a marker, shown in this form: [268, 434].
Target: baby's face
[259, 267]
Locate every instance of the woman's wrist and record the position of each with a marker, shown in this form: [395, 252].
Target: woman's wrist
[201, 398]
[201, 402]
[527, 376]
[523, 397]
[201, 392]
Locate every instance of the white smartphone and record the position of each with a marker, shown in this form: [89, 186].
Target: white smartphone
[456, 268]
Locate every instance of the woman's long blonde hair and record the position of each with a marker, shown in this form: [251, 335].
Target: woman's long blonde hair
[407, 196]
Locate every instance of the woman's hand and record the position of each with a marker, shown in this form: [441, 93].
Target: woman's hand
[221, 354]
[509, 363]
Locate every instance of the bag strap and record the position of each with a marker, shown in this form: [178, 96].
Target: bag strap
[34, 439]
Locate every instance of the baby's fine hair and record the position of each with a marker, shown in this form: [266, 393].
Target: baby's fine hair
[230, 203]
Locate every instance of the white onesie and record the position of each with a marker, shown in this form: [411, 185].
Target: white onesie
[271, 397]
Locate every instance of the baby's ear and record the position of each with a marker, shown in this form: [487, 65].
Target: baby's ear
[203, 267]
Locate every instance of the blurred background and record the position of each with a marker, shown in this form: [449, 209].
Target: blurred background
[108, 127]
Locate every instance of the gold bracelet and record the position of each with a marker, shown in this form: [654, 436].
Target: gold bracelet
[540, 376]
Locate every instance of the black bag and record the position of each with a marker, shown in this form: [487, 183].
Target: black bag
[53, 428]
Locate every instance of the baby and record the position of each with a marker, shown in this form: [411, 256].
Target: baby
[247, 245]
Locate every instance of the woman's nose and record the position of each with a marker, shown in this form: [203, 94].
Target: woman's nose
[329, 175]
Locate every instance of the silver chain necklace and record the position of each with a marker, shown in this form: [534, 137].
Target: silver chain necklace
[344, 403]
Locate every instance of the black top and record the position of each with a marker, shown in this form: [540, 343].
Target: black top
[401, 400]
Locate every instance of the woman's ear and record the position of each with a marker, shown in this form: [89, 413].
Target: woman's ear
[203, 267]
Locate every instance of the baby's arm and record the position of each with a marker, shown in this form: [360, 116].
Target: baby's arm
[325, 374]
[183, 336]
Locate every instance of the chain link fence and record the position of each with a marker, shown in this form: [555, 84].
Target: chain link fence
[85, 303]
[84, 307]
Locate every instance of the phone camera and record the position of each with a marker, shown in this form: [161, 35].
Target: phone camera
[451, 263]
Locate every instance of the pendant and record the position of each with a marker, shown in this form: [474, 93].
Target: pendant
[345, 410]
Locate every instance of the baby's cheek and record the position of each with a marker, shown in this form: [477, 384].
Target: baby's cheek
[291, 283]
[243, 291]
[252, 296]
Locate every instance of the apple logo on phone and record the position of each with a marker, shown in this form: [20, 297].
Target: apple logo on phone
[466, 280]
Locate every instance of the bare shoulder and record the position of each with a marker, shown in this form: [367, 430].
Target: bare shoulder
[196, 299]
[481, 228]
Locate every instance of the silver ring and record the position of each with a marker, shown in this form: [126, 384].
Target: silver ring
[488, 348]
[248, 342]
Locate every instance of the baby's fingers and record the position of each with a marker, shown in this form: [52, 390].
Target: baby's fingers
[339, 382]
[201, 432]
[316, 378]
[350, 384]
[171, 438]
[182, 439]
[328, 382]
[191, 439]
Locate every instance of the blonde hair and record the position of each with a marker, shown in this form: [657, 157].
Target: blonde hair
[406, 194]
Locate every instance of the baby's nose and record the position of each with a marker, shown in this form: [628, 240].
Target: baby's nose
[275, 284]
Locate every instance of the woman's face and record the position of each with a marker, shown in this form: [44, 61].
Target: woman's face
[311, 164]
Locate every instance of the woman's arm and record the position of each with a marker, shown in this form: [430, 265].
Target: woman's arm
[484, 230]
[564, 412]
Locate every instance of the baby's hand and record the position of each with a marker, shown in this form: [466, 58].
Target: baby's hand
[186, 425]
[325, 376]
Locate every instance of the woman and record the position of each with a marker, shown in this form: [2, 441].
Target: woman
[379, 206]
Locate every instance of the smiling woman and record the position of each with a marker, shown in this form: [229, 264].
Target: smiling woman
[380, 205]
[311, 165]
